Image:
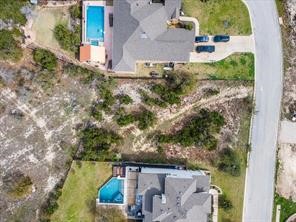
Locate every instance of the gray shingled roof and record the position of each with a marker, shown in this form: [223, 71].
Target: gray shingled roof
[171, 198]
[140, 33]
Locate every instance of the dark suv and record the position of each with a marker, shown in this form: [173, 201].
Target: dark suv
[202, 38]
[221, 38]
[205, 48]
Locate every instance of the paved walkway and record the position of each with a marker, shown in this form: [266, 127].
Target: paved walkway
[224, 49]
[215, 194]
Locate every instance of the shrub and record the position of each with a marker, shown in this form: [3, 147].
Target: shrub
[75, 11]
[9, 47]
[146, 119]
[224, 202]
[124, 99]
[67, 39]
[199, 131]
[17, 184]
[45, 59]
[97, 142]
[96, 112]
[85, 75]
[124, 120]
[229, 162]
[177, 84]
[12, 10]
[108, 100]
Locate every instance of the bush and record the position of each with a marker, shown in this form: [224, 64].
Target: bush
[67, 39]
[177, 84]
[75, 11]
[12, 10]
[124, 120]
[124, 99]
[224, 202]
[96, 112]
[45, 59]
[108, 100]
[85, 75]
[97, 142]
[146, 119]
[199, 131]
[9, 47]
[17, 184]
[229, 162]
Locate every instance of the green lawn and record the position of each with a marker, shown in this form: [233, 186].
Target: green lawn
[288, 207]
[77, 202]
[239, 66]
[219, 16]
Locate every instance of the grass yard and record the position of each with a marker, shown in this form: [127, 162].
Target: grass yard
[288, 207]
[219, 16]
[77, 202]
[44, 23]
[239, 66]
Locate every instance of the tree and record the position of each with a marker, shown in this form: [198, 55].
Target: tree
[45, 59]
[75, 11]
[229, 162]
[124, 99]
[199, 131]
[224, 202]
[9, 48]
[146, 119]
[97, 142]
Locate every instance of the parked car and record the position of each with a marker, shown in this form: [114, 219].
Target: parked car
[205, 48]
[202, 38]
[221, 38]
[154, 74]
[169, 66]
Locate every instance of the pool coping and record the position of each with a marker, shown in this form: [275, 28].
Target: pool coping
[124, 192]
[84, 18]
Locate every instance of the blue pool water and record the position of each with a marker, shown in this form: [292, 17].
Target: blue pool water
[95, 24]
[112, 191]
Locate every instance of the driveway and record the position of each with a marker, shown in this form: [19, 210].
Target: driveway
[259, 190]
[224, 49]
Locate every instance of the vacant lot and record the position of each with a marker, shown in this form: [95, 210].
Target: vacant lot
[219, 16]
[78, 200]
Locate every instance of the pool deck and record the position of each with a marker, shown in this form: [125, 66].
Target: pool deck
[107, 29]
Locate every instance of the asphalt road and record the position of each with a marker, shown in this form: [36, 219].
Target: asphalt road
[258, 201]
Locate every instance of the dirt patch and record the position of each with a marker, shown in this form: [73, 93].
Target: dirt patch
[286, 184]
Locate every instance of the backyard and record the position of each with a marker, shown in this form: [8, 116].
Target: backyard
[44, 24]
[77, 202]
[219, 16]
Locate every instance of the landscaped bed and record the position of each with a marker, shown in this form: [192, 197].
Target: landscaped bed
[77, 202]
[219, 16]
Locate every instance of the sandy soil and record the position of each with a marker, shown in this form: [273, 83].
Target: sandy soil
[37, 129]
[286, 184]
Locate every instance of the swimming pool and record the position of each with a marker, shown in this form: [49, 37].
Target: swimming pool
[95, 24]
[112, 191]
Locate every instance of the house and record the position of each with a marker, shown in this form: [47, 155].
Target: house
[158, 193]
[141, 33]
